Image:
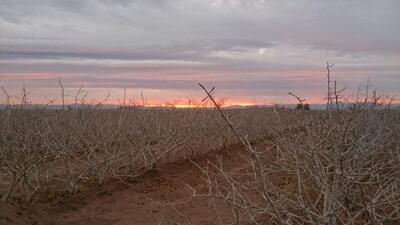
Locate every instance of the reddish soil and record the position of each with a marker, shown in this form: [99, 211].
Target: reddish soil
[161, 196]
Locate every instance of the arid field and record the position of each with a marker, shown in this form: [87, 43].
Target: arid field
[199, 112]
[168, 165]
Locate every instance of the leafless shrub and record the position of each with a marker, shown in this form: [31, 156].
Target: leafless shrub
[41, 149]
[326, 168]
[318, 167]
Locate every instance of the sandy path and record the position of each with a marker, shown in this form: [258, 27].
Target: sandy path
[148, 200]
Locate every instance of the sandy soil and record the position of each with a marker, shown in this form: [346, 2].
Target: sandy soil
[161, 196]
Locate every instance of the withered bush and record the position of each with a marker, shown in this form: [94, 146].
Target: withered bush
[327, 167]
[59, 149]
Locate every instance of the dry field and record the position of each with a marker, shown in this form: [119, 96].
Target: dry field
[199, 166]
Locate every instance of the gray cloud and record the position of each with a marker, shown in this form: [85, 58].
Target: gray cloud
[233, 40]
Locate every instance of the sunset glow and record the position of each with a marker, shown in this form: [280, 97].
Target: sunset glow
[251, 51]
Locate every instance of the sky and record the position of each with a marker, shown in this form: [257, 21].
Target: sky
[252, 51]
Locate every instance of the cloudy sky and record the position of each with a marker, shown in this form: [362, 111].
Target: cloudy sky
[250, 50]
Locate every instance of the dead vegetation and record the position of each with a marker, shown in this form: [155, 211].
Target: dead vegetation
[337, 169]
[329, 167]
[337, 166]
[43, 148]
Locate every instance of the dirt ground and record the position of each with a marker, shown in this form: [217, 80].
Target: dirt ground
[161, 196]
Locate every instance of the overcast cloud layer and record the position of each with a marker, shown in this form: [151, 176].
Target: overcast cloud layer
[247, 49]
